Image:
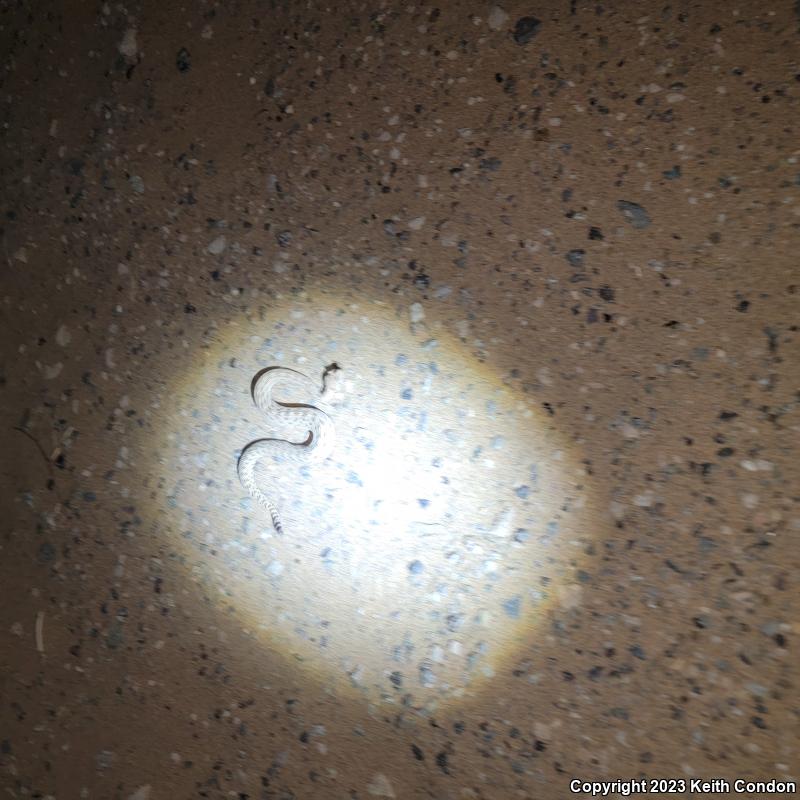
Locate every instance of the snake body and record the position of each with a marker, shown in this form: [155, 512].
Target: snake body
[310, 416]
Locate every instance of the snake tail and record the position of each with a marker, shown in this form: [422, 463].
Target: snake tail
[246, 469]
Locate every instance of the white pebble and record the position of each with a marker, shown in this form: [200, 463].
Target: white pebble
[749, 500]
[52, 371]
[63, 336]
[416, 312]
[760, 465]
[217, 246]
[380, 786]
[644, 500]
[128, 46]
[497, 18]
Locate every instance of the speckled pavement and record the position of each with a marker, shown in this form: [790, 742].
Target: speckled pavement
[553, 248]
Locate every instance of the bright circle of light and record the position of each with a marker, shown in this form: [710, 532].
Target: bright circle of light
[424, 551]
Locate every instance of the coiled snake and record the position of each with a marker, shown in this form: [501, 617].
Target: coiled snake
[311, 416]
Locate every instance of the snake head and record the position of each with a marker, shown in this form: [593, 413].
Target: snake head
[330, 378]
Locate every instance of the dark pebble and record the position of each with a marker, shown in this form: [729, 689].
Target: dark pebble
[606, 293]
[454, 622]
[512, 606]
[576, 257]
[491, 164]
[46, 553]
[634, 213]
[525, 29]
[183, 61]
[638, 652]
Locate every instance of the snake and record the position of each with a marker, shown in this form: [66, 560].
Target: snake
[311, 416]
